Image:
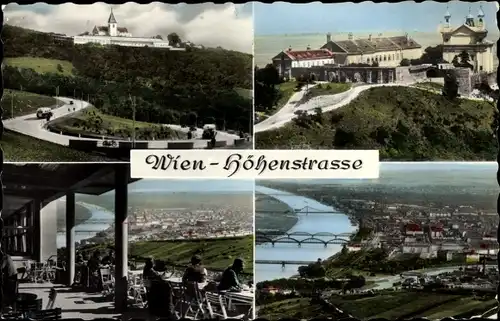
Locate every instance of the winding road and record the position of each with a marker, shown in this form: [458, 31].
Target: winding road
[329, 102]
[287, 112]
[30, 125]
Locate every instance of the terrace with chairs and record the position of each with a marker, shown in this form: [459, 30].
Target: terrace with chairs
[46, 290]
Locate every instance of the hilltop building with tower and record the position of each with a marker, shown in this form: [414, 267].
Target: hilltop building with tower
[471, 38]
[378, 58]
[112, 34]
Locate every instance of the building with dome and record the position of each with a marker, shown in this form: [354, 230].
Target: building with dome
[469, 37]
[112, 34]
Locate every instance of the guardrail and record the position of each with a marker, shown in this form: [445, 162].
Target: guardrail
[83, 145]
[180, 145]
[218, 144]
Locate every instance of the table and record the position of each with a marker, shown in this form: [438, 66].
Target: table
[179, 280]
[135, 272]
[245, 295]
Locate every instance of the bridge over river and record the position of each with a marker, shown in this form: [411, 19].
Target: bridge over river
[302, 211]
[286, 262]
[323, 238]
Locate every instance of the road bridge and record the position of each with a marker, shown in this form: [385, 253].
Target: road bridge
[286, 262]
[278, 233]
[300, 238]
[301, 211]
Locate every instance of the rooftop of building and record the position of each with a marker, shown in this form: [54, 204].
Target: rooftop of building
[372, 45]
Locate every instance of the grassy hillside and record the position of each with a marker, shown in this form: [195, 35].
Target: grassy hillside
[41, 65]
[216, 254]
[93, 121]
[403, 123]
[170, 87]
[19, 103]
[389, 305]
[20, 148]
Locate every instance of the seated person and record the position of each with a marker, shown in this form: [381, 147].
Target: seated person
[109, 259]
[149, 274]
[196, 272]
[230, 280]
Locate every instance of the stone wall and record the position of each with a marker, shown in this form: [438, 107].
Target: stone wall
[464, 78]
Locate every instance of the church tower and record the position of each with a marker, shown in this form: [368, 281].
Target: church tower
[480, 18]
[112, 25]
[469, 20]
[447, 17]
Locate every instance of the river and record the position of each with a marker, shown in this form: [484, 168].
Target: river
[89, 228]
[334, 222]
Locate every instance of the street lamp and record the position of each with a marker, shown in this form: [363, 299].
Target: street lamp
[132, 101]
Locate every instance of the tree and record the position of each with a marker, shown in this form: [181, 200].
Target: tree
[462, 60]
[432, 55]
[268, 75]
[491, 96]
[173, 39]
[450, 88]
[60, 68]
[404, 62]
[159, 37]
[266, 94]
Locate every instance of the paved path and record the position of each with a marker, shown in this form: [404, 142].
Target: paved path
[287, 113]
[32, 126]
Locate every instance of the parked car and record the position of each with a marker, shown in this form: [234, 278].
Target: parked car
[71, 102]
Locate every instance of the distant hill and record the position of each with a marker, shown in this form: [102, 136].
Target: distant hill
[82, 214]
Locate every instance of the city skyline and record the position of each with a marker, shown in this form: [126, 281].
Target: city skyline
[202, 24]
[408, 16]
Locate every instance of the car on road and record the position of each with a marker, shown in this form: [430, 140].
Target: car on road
[71, 102]
[43, 112]
[208, 130]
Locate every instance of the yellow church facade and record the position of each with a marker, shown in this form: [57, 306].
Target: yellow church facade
[471, 38]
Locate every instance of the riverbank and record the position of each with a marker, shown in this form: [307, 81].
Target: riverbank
[96, 220]
[82, 214]
[273, 214]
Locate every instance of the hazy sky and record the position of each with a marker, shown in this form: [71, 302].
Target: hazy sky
[229, 26]
[286, 18]
[195, 186]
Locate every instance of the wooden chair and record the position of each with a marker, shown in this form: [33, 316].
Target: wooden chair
[194, 301]
[178, 290]
[107, 281]
[137, 291]
[236, 300]
[52, 299]
[216, 307]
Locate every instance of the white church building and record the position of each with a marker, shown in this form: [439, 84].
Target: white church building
[471, 38]
[120, 36]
